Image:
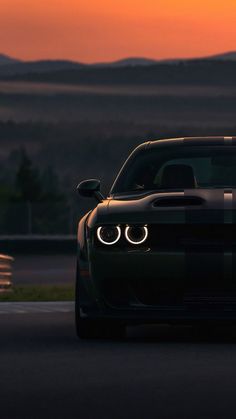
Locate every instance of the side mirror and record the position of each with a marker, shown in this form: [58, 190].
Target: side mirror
[90, 188]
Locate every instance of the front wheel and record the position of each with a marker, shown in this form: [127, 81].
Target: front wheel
[96, 328]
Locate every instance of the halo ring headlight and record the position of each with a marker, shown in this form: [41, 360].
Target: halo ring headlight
[136, 234]
[104, 234]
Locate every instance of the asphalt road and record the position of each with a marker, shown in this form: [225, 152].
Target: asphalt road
[157, 372]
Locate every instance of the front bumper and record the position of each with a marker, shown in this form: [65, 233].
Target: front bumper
[147, 285]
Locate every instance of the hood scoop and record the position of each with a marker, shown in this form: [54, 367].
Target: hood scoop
[178, 201]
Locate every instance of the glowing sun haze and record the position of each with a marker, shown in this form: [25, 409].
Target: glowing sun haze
[103, 30]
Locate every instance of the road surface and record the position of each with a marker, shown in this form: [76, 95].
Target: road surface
[157, 372]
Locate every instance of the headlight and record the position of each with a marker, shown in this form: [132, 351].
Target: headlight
[108, 234]
[136, 234]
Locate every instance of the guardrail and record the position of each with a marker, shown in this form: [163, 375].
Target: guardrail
[5, 272]
[26, 245]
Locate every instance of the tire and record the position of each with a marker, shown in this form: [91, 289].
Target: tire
[96, 328]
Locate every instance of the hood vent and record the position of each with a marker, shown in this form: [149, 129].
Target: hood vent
[178, 201]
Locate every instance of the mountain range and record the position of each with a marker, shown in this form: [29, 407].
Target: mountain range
[6, 60]
[12, 67]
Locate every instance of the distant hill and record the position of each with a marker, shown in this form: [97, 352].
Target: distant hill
[127, 62]
[6, 60]
[227, 56]
[37, 67]
[194, 72]
[142, 61]
[12, 67]
[48, 69]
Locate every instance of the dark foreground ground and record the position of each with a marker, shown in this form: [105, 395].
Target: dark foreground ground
[158, 372]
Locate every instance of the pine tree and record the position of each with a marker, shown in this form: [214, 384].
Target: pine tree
[28, 185]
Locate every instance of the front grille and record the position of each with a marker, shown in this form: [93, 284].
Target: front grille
[128, 293]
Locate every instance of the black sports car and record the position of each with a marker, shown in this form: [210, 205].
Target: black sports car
[161, 247]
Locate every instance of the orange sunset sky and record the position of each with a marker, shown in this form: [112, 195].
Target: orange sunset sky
[103, 30]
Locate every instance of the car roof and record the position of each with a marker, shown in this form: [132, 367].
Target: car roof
[223, 141]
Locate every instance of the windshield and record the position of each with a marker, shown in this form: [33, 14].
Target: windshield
[178, 168]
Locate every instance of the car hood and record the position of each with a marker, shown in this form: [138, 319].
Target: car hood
[195, 206]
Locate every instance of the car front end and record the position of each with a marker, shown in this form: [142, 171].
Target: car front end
[178, 265]
[164, 251]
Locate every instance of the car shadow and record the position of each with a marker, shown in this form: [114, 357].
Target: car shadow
[200, 333]
[57, 332]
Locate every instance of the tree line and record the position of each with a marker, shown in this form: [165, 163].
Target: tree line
[32, 200]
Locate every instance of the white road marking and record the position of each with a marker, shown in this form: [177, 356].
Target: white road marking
[37, 307]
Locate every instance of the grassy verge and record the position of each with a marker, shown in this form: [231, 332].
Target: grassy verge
[39, 293]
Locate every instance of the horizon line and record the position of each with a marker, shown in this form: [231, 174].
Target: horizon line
[131, 57]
